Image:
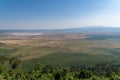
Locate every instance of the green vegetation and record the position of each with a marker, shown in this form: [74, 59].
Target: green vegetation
[6, 51]
[101, 71]
[75, 58]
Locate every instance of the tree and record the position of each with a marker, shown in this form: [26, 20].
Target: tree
[14, 62]
[84, 74]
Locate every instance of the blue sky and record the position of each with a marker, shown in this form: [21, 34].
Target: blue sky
[55, 14]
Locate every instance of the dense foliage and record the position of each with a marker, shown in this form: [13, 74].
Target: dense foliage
[9, 70]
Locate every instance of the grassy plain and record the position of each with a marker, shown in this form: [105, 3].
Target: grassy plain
[62, 49]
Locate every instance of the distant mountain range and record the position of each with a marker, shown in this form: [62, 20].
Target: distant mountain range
[70, 30]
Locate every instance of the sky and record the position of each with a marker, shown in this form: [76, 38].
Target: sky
[58, 14]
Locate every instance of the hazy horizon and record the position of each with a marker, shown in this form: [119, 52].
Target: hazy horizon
[82, 27]
[58, 14]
